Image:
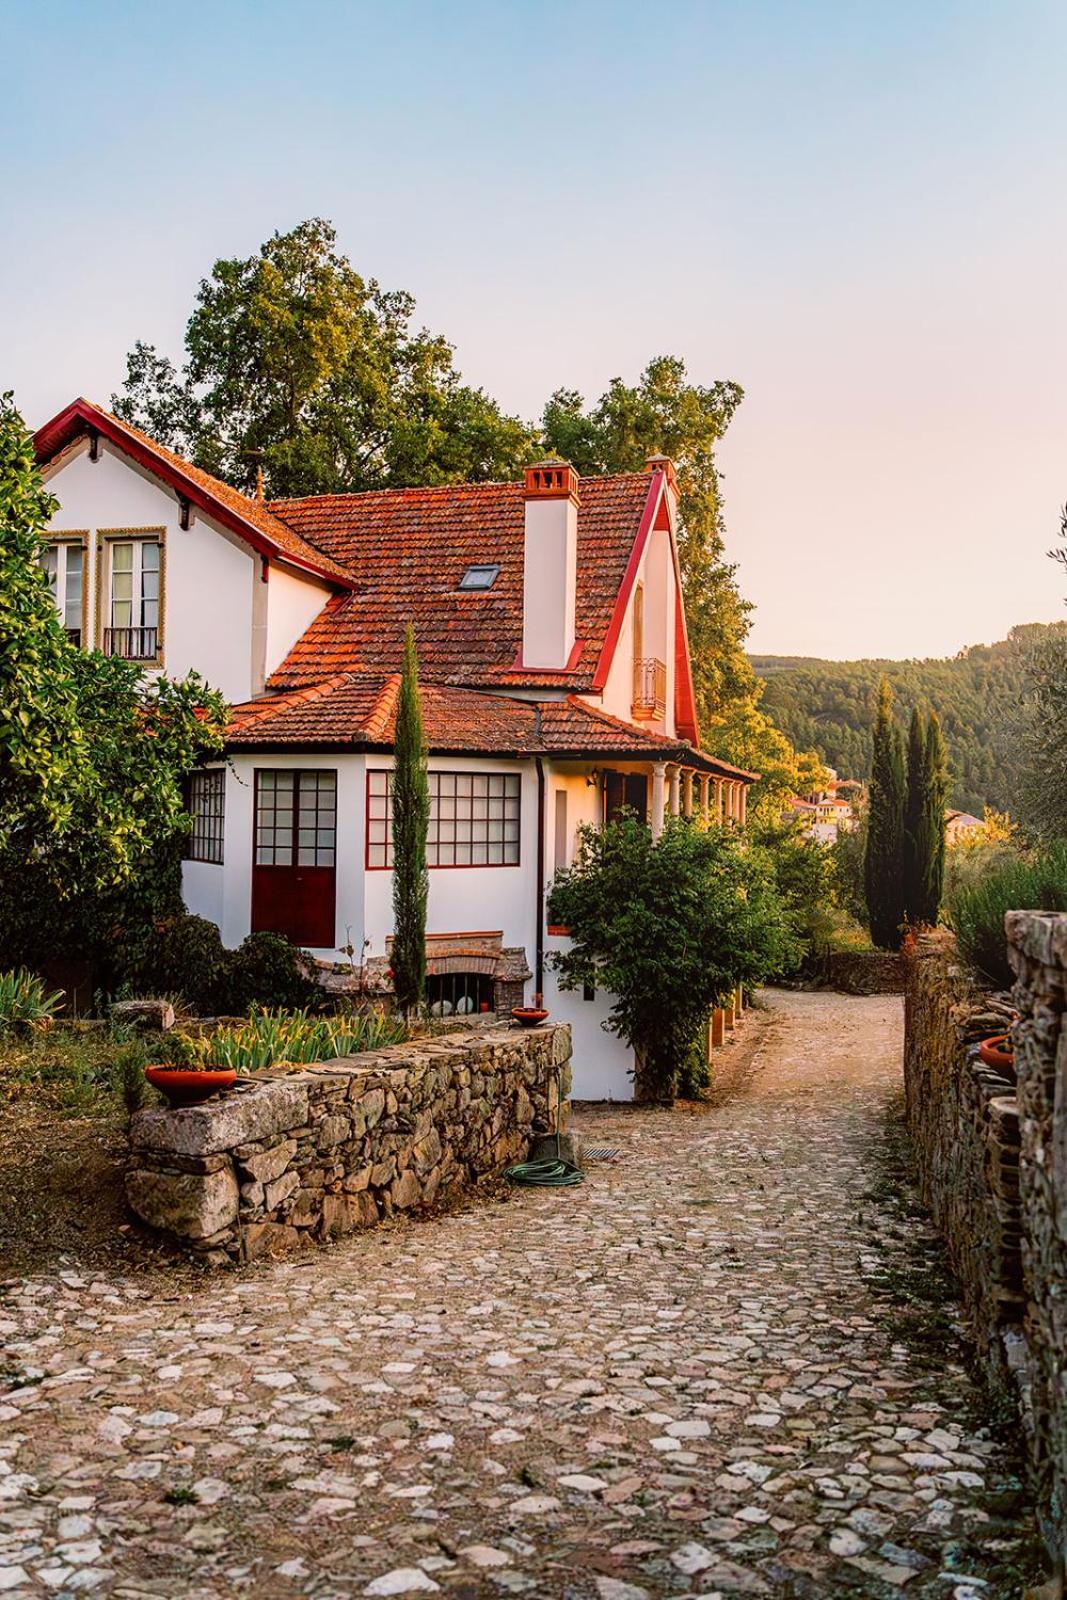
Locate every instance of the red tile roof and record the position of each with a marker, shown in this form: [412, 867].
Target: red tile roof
[352, 711]
[407, 550]
[250, 519]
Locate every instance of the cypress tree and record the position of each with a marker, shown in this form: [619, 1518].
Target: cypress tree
[411, 818]
[935, 793]
[916, 850]
[884, 863]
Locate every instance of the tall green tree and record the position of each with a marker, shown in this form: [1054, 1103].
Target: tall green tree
[884, 862]
[665, 414]
[296, 363]
[411, 819]
[916, 846]
[935, 793]
[91, 755]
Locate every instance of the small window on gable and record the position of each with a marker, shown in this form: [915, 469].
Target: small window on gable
[480, 577]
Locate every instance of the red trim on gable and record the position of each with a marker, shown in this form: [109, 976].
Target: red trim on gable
[618, 616]
[81, 414]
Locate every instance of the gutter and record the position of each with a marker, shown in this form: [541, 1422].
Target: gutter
[539, 898]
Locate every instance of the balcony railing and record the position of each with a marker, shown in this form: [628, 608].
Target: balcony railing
[650, 689]
[132, 644]
[74, 635]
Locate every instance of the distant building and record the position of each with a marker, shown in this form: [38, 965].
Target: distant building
[959, 824]
[830, 810]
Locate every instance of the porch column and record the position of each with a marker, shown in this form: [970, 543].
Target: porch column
[659, 774]
[719, 818]
[732, 800]
[687, 793]
[743, 798]
[675, 790]
[702, 779]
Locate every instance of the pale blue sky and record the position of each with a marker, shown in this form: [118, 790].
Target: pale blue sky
[855, 210]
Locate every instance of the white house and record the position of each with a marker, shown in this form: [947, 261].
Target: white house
[556, 689]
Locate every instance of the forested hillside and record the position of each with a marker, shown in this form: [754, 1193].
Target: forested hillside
[977, 694]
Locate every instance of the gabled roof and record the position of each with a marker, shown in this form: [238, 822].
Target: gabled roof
[357, 710]
[407, 550]
[250, 519]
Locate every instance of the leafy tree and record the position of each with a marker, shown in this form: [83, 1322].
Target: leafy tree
[884, 863]
[669, 927]
[1041, 764]
[411, 818]
[802, 870]
[91, 756]
[296, 363]
[663, 413]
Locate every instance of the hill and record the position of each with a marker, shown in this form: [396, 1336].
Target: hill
[977, 694]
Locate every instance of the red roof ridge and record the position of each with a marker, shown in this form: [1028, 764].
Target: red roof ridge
[400, 491]
[383, 708]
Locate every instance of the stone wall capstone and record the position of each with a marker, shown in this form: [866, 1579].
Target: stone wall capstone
[334, 1147]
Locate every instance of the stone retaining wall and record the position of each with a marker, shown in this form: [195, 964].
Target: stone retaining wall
[1037, 945]
[964, 1123]
[320, 1152]
[865, 971]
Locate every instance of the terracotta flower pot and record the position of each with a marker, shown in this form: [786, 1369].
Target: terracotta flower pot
[529, 1016]
[998, 1052]
[184, 1087]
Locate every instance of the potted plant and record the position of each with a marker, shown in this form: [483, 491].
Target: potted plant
[529, 1016]
[998, 1052]
[186, 1079]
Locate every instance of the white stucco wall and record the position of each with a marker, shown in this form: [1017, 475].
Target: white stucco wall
[293, 603]
[656, 575]
[207, 573]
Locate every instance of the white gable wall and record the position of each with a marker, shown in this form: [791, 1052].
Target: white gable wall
[293, 603]
[656, 574]
[207, 573]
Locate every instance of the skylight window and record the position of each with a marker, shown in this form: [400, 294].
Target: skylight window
[480, 577]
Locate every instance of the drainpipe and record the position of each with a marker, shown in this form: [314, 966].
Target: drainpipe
[539, 962]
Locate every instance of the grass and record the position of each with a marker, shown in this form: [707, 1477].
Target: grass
[74, 1071]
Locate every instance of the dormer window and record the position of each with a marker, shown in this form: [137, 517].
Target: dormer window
[480, 577]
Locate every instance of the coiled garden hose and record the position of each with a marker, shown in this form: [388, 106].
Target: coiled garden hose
[548, 1173]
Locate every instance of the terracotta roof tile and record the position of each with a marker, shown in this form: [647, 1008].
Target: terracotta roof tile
[407, 550]
[357, 711]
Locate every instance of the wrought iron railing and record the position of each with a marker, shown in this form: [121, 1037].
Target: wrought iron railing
[132, 644]
[74, 635]
[650, 688]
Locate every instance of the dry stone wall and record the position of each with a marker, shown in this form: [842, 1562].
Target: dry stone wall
[993, 1158]
[321, 1152]
[1037, 945]
[964, 1123]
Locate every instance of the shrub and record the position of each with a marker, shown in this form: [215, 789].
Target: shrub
[266, 970]
[976, 910]
[181, 954]
[271, 1037]
[23, 999]
[669, 927]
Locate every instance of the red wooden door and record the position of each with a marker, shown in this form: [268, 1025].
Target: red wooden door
[294, 872]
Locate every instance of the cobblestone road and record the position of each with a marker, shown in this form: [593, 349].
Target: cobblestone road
[702, 1373]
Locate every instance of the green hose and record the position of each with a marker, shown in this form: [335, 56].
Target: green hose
[546, 1173]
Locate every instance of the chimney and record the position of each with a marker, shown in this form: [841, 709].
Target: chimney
[665, 465]
[549, 564]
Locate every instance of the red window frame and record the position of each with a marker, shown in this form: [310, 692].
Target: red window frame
[500, 804]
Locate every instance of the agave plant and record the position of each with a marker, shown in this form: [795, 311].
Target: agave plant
[293, 1038]
[24, 999]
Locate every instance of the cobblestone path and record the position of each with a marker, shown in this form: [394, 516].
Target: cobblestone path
[702, 1373]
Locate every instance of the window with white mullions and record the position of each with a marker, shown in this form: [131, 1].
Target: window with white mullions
[64, 565]
[474, 819]
[132, 629]
[296, 818]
